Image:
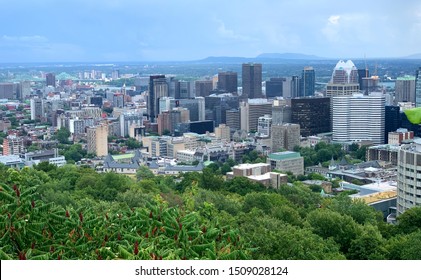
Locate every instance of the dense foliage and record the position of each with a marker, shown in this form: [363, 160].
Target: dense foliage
[75, 213]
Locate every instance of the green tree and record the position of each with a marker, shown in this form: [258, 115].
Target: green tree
[329, 224]
[132, 144]
[63, 135]
[410, 220]
[143, 172]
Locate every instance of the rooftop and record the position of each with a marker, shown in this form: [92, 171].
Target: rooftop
[284, 155]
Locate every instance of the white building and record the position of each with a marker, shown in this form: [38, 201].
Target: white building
[264, 124]
[409, 168]
[358, 118]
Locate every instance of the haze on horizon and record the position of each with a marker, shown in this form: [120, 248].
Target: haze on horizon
[139, 30]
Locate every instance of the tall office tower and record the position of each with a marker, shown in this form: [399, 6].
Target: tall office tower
[7, 91]
[291, 87]
[362, 73]
[405, 89]
[185, 90]
[391, 120]
[251, 110]
[203, 88]
[50, 79]
[418, 88]
[281, 112]
[264, 124]
[228, 81]
[23, 90]
[97, 139]
[285, 136]
[359, 117]
[37, 109]
[233, 119]
[344, 80]
[409, 166]
[308, 81]
[218, 104]
[274, 87]
[312, 114]
[127, 120]
[168, 121]
[251, 80]
[158, 88]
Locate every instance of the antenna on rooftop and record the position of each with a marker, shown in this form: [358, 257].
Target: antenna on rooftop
[366, 68]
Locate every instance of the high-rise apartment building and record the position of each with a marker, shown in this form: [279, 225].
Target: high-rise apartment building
[251, 80]
[37, 109]
[409, 168]
[359, 117]
[97, 140]
[228, 81]
[405, 89]
[13, 145]
[308, 81]
[312, 114]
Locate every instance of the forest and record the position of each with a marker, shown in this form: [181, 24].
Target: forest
[75, 213]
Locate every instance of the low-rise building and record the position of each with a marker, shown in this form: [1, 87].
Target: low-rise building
[287, 161]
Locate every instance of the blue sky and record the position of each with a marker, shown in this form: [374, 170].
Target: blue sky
[154, 30]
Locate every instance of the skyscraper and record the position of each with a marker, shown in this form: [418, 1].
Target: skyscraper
[312, 114]
[250, 112]
[228, 81]
[344, 80]
[274, 87]
[50, 79]
[308, 81]
[251, 80]
[359, 117]
[405, 89]
[203, 88]
[418, 88]
[158, 88]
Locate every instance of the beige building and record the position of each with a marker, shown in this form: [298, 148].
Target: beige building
[285, 136]
[287, 161]
[259, 173]
[251, 110]
[223, 132]
[98, 140]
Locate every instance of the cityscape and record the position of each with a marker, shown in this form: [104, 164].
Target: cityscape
[248, 155]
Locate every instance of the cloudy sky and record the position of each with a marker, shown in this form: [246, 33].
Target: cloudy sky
[156, 30]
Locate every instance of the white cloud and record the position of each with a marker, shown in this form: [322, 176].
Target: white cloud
[224, 32]
[334, 19]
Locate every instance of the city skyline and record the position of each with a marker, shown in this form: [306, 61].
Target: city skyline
[87, 31]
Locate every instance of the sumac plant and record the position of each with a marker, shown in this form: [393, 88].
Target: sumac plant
[32, 229]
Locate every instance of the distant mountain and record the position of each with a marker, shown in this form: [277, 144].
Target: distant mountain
[413, 56]
[264, 57]
[287, 56]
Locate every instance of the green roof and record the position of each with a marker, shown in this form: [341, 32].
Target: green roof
[406, 78]
[284, 155]
[125, 156]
